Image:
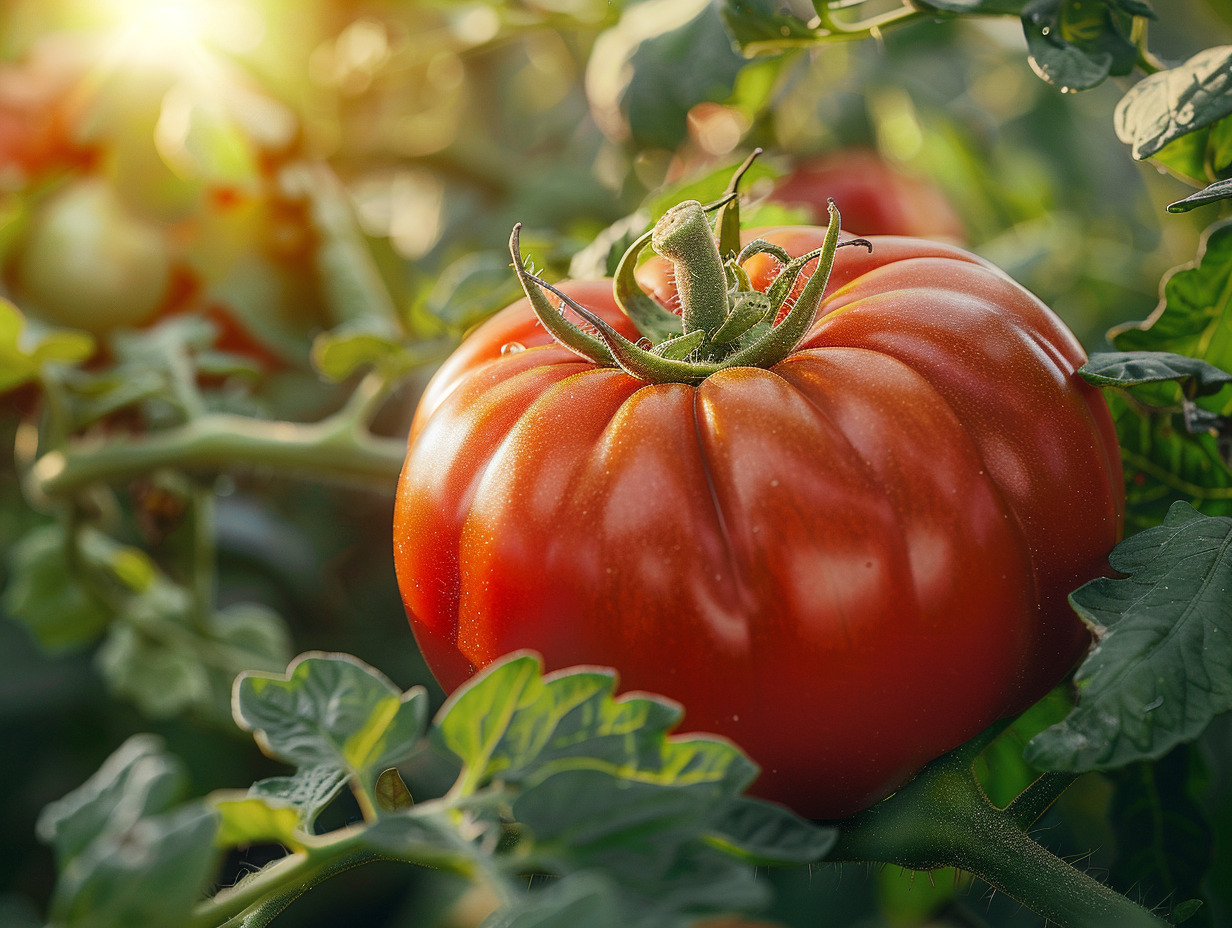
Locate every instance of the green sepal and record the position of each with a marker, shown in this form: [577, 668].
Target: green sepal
[748, 309]
[727, 222]
[553, 319]
[680, 347]
[651, 319]
[759, 246]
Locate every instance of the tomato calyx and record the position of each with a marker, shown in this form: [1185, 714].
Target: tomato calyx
[724, 321]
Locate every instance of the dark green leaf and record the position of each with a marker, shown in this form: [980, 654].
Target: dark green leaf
[309, 790]
[1185, 911]
[1132, 368]
[139, 779]
[1164, 841]
[1163, 666]
[1220, 190]
[761, 26]
[980, 7]
[767, 834]
[645, 73]
[332, 710]
[1163, 107]
[1076, 44]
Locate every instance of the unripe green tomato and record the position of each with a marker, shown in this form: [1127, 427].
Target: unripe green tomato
[89, 263]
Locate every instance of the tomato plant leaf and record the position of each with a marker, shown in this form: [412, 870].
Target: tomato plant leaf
[1164, 839]
[138, 779]
[151, 874]
[308, 790]
[1164, 107]
[1076, 44]
[1220, 190]
[1165, 457]
[763, 26]
[768, 834]
[475, 286]
[26, 346]
[1134, 368]
[652, 47]
[519, 725]
[586, 898]
[247, 820]
[126, 857]
[340, 353]
[1162, 668]
[44, 595]
[332, 710]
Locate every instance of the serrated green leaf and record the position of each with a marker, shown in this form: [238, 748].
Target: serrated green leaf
[767, 834]
[137, 780]
[1163, 666]
[152, 873]
[1166, 106]
[245, 820]
[332, 710]
[1220, 190]
[1133, 368]
[162, 682]
[514, 723]
[26, 347]
[308, 790]
[1164, 839]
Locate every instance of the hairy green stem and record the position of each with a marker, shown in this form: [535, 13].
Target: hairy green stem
[943, 819]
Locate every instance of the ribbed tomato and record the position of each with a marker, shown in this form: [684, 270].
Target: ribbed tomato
[848, 563]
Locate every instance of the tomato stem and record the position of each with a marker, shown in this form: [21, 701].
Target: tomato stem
[942, 818]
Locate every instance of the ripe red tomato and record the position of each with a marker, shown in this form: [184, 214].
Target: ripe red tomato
[848, 563]
[876, 199]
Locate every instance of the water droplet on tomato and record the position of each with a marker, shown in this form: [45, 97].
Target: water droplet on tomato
[512, 348]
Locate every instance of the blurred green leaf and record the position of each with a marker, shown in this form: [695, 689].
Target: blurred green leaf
[1169, 105]
[768, 834]
[153, 873]
[981, 7]
[1164, 839]
[342, 352]
[137, 780]
[47, 596]
[646, 73]
[764, 26]
[25, 347]
[1162, 668]
[473, 288]
[586, 898]
[332, 711]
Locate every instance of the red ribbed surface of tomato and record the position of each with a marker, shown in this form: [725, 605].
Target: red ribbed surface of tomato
[848, 563]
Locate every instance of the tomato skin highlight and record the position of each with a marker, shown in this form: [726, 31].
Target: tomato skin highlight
[849, 563]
